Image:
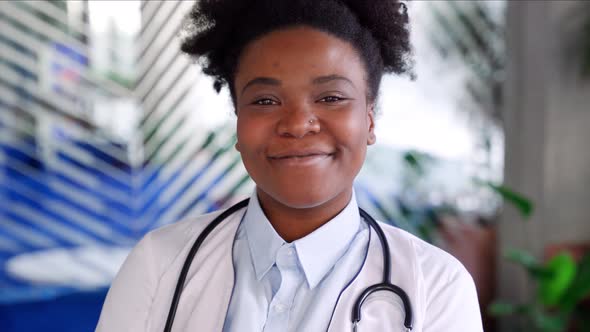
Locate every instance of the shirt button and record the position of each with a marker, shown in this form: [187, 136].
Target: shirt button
[280, 307]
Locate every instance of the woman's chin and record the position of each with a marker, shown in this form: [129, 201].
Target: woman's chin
[305, 199]
[301, 203]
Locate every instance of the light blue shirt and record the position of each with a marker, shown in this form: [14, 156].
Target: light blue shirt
[293, 286]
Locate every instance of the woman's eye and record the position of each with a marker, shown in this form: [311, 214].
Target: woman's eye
[331, 99]
[264, 102]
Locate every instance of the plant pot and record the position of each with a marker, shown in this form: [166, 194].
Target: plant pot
[474, 244]
[577, 250]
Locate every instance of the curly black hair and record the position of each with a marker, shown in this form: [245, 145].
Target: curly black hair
[217, 31]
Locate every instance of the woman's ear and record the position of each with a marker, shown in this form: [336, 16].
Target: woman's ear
[371, 138]
[237, 146]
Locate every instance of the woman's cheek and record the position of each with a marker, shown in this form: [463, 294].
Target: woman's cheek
[251, 135]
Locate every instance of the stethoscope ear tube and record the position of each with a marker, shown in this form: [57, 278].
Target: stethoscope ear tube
[191, 255]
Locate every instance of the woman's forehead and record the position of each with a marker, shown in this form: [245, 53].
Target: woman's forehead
[299, 54]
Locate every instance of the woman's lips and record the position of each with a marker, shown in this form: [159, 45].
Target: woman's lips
[300, 159]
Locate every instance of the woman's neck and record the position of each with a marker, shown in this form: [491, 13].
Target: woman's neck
[294, 223]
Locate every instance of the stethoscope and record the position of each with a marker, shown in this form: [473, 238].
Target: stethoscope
[386, 285]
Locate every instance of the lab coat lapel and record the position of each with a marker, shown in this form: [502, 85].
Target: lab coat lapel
[210, 282]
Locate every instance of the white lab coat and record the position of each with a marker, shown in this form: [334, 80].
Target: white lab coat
[442, 293]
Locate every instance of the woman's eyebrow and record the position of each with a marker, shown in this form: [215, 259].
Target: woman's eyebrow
[262, 81]
[329, 78]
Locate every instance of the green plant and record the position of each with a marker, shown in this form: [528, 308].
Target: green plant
[418, 164]
[562, 285]
[523, 204]
[474, 36]
[422, 219]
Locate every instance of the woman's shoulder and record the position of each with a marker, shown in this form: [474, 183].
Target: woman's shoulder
[164, 244]
[182, 230]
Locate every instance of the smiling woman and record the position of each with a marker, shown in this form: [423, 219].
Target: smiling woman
[297, 256]
[303, 125]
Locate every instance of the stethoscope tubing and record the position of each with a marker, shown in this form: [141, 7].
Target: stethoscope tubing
[386, 285]
[189, 259]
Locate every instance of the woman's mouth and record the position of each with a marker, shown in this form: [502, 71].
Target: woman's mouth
[300, 159]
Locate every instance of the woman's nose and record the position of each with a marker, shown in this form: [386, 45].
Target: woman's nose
[298, 123]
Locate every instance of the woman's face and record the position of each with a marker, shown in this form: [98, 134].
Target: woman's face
[303, 119]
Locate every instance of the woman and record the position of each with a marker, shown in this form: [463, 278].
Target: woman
[303, 76]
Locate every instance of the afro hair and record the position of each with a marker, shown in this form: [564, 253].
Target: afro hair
[217, 31]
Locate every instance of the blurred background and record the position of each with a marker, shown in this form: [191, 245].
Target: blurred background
[107, 132]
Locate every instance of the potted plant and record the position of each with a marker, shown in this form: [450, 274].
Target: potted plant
[560, 301]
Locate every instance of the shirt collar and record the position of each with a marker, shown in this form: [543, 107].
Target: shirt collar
[318, 252]
[263, 240]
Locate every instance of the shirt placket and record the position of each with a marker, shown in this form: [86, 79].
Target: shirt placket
[282, 302]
